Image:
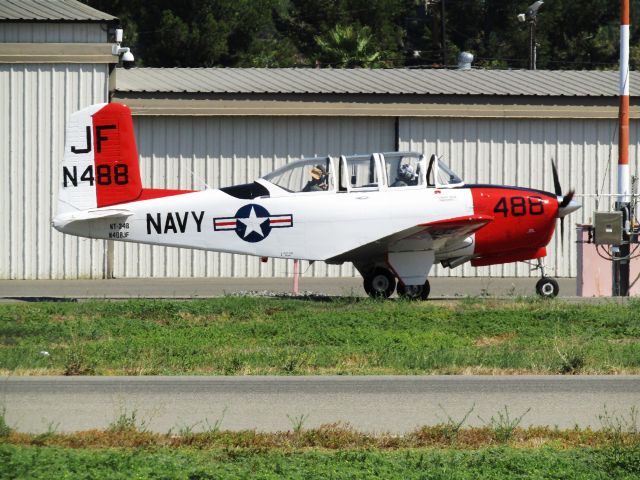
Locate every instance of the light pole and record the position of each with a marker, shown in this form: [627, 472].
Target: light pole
[532, 16]
[621, 263]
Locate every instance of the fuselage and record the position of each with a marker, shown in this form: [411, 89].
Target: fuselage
[322, 225]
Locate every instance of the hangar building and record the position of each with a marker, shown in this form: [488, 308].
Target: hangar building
[217, 127]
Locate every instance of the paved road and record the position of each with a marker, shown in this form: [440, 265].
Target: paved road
[26, 290]
[395, 404]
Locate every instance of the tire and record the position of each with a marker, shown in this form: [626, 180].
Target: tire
[547, 287]
[414, 292]
[380, 283]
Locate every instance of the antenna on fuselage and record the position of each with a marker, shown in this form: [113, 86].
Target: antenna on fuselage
[197, 177]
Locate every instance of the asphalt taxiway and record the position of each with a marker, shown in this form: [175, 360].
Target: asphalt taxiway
[369, 403]
[441, 288]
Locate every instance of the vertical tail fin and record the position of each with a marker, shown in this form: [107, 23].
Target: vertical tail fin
[100, 166]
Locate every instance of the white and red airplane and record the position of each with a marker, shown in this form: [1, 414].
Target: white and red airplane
[393, 215]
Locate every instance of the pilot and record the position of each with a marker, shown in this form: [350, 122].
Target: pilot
[319, 179]
[406, 176]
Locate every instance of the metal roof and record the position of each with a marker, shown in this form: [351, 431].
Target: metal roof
[563, 83]
[50, 11]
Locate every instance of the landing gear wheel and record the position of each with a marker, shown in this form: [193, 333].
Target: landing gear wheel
[380, 283]
[547, 287]
[414, 292]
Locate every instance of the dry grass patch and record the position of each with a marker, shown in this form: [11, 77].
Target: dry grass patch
[495, 340]
[334, 436]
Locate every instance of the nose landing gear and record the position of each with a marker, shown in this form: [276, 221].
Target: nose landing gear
[546, 287]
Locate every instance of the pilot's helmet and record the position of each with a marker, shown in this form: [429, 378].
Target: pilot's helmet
[406, 172]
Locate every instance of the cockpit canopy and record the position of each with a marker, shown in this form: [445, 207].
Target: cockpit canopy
[377, 171]
[305, 175]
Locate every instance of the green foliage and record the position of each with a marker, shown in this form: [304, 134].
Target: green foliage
[348, 46]
[250, 336]
[203, 33]
[5, 429]
[281, 33]
[451, 428]
[494, 463]
[298, 421]
[127, 423]
[76, 360]
[620, 427]
[503, 424]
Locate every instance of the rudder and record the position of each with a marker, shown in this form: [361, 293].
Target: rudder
[100, 166]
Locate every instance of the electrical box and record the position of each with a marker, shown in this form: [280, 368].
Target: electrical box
[608, 228]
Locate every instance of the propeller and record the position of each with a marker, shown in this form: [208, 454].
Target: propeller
[565, 200]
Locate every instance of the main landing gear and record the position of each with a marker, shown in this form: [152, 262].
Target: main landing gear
[546, 287]
[380, 283]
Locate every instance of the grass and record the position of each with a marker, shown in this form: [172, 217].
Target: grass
[127, 450]
[251, 336]
[17, 461]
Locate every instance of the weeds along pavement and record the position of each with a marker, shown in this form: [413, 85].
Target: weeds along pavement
[500, 449]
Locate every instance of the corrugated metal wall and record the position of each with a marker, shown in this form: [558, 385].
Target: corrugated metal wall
[186, 152]
[36, 101]
[519, 152]
[74, 32]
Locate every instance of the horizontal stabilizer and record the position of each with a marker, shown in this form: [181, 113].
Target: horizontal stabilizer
[86, 215]
[102, 213]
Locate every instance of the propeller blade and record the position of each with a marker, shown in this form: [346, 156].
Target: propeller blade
[566, 200]
[556, 180]
[562, 233]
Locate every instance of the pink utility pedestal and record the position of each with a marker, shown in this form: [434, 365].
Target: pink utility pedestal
[595, 273]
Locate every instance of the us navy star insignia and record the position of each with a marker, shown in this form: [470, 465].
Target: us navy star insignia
[252, 222]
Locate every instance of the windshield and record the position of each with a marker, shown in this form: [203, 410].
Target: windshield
[304, 175]
[360, 172]
[446, 176]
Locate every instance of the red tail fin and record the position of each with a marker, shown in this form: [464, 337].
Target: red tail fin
[117, 169]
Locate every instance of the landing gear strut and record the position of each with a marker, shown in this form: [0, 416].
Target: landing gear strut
[380, 283]
[546, 287]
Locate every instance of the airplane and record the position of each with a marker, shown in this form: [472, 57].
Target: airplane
[393, 215]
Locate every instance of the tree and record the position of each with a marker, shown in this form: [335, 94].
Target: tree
[307, 19]
[280, 33]
[203, 33]
[348, 46]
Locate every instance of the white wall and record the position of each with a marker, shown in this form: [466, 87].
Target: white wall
[36, 101]
[73, 32]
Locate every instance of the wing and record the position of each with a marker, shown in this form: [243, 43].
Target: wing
[438, 235]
